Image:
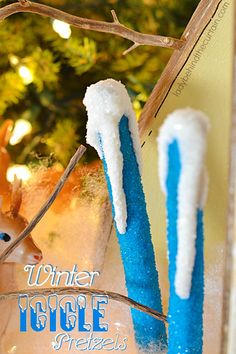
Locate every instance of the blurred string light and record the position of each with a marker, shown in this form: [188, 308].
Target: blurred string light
[20, 171]
[22, 127]
[14, 60]
[25, 74]
[61, 28]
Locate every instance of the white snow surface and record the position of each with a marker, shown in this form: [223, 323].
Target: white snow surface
[106, 102]
[189, 127]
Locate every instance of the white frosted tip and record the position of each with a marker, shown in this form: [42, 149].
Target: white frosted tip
[106, 103]
[189, 128]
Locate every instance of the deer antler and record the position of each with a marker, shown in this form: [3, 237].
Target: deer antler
[5, 132]
[16, 196]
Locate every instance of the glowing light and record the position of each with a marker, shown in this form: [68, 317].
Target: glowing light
[61, 28]
[22, 127]
[13, 59]
[20, 171]
[25, 74]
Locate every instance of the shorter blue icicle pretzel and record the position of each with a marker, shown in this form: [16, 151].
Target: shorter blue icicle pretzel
[136, 248]
[185, 316]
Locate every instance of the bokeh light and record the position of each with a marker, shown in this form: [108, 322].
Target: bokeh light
[61, 28]
[22, 127]
[25, 74]
[20, 171]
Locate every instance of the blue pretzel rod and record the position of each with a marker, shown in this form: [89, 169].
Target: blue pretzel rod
[185, 316]
[136, 247]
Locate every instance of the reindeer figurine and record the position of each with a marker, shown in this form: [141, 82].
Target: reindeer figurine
[11, 225]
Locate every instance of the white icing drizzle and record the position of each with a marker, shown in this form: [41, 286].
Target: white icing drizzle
[106, 102]
[189, 127]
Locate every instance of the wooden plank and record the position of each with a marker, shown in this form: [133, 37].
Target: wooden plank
[198, 22]
[229, 295]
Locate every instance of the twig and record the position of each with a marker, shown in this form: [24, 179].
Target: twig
[134, 46]
[115, 18]
[79, 153]
[86, 291]
[114, 27]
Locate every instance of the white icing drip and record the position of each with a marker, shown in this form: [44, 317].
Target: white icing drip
[106, 102]
[189, 128]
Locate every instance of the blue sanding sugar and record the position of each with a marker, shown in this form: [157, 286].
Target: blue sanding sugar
[185, 316]
[136, 247]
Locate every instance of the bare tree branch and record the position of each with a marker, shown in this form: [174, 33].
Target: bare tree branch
[115, 18]
[24, 2]
[114, 27]
[86, 291]
[134, 46]
[79, 153]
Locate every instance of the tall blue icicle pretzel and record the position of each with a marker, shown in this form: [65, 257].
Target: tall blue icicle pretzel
[182, 147]
[112, 131]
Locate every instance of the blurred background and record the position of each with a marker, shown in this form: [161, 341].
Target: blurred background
[45, 67]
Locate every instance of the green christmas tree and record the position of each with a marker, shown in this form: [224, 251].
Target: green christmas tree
[43, 77]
